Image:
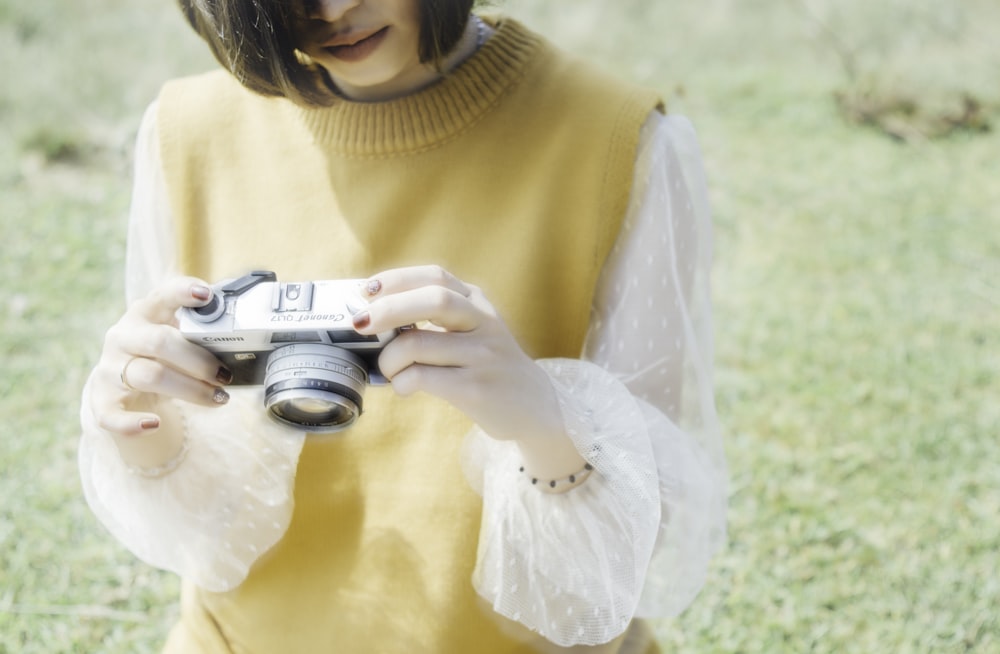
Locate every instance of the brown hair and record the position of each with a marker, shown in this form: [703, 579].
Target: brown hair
[254, 40]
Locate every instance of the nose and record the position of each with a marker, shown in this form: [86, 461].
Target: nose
[331, 10]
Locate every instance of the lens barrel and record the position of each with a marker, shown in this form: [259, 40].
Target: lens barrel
[315, 386]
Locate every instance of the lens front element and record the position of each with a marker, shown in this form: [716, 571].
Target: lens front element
[314, 386]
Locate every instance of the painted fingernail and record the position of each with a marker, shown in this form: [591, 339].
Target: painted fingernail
[362, 320]
[373, 287]
[200, 292]
[224, 375]
[149, 423]
[220, 396]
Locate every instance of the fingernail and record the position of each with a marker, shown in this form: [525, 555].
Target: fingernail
[362, 320]
[373, 287]
[220, 396]
[149, 423]
[200, 292]
[224, 376]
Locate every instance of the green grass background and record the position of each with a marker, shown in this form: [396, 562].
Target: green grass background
[857, 290]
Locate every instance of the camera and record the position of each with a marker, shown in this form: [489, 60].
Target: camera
[295, 339]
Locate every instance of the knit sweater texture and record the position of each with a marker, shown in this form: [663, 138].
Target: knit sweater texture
[514, 173]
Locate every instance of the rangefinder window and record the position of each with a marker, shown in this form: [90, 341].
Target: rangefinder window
[350, 336]
[296, 337]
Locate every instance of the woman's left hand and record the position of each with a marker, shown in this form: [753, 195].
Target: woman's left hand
[461, 351]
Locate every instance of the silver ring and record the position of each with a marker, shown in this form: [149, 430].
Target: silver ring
[124, 376]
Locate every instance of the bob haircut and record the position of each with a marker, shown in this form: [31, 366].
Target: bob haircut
[255, 41]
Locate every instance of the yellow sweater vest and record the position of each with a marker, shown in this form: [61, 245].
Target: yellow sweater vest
[513, 173]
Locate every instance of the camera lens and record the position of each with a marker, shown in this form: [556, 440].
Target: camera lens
[314, 386]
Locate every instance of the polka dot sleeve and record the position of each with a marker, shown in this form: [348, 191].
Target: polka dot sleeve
[205, 521]
[636, 538]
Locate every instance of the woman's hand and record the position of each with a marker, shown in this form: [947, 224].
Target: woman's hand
[145, 356]
[463, 353]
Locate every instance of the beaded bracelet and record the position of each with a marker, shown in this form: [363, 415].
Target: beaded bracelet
[564, 484]
[164, 468]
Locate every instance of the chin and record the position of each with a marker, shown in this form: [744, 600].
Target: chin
[362, 80]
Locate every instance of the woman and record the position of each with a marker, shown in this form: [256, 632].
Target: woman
[546, 229]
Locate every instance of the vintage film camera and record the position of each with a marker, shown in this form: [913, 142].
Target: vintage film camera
[297, 340]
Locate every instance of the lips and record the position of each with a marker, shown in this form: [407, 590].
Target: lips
[355, 46]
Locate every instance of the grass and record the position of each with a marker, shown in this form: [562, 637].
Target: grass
[858, 316]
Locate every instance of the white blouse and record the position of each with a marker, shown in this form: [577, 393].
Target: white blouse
[634, 540]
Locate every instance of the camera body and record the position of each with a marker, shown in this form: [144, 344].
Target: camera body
[296, 339]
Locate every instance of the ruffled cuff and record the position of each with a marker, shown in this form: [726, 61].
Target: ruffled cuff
[571, 566]
[693, 518]
[211, 517]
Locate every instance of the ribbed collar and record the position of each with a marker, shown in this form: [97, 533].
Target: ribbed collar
[434, 114]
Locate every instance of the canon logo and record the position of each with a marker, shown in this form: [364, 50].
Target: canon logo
[222, 339]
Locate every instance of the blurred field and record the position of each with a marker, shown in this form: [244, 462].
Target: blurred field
[857, 294]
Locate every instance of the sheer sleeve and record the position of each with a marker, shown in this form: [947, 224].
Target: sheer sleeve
[230, 498]
[636, 538]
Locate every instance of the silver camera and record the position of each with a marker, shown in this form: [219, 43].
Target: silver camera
[295, 339]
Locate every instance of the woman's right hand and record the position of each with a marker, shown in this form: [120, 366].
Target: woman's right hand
[146, 356]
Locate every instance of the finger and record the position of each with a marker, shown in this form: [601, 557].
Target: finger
[399, 280]
[439, 305]
[127, 423]
[435, 380]
[440, 349]
[167, 345]
[164, 301]
[148, 376]
[107, 399]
